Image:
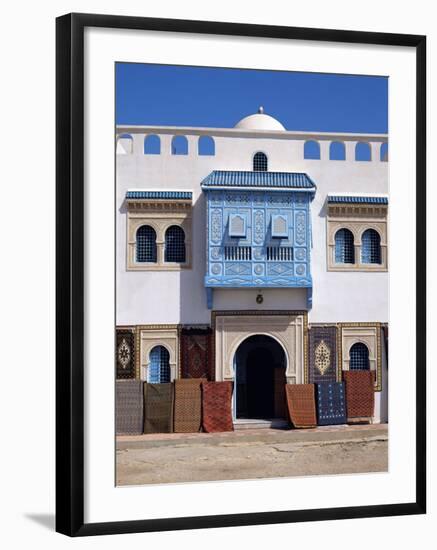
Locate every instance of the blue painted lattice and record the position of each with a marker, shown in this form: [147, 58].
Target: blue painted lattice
[146, 244]
[370, 247]
[344, 247]
[174, 244]
[359, 357]
[159, 367]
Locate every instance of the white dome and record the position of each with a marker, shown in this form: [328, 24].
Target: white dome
[259, 121]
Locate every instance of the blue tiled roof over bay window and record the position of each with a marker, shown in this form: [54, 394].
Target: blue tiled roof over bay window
[352, 199]
[165, 195]
[276, 180]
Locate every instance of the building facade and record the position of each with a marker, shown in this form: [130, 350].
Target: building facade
[252, 254]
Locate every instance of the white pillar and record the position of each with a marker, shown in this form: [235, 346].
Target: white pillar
[350, 150]
[324, 149]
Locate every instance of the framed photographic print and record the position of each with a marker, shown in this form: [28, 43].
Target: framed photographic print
[240, 274]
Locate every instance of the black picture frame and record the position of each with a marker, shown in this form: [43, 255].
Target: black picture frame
[70, 273]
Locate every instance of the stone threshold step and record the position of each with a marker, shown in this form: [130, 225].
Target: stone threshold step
[258, 423]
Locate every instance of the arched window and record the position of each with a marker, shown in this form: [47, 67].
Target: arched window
[175, 244]
[344, 247]
[159, 366]
[383, 152]
[337, 151]
[311, 150]
[370, 247]
[146, 244]
[125, 144]
[179, 145]
[152, 145]
[359, 357]
[260, 162]
[362, 151]
[206, 146]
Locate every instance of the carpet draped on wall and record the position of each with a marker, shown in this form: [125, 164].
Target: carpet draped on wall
[360, 394]
[217, 406]
[196, 353]
[158, 408]
[331, 403]
[301, 405]
[125, 353]
[188, 405]
[322, 342]
[129, 407]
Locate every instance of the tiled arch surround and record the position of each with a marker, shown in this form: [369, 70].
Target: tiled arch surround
[288, 328]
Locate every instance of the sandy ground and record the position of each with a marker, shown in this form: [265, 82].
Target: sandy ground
[251, 454]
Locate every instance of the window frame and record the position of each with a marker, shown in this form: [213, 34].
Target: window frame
[148, 225]
[358, 218]
[265, 159]
[179, 227]
[345, 252]
[168, 367]
[159, 214]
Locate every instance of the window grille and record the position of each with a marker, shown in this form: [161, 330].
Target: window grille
[239, 253]
[359, 357]
[146, 244]
[370, 247]
[344, 247]
[260, 162]
[174, 244]
[279, 253]
[159, 367]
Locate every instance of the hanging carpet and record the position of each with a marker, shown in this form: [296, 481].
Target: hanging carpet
[331, 403]
[360, 395]
[301, 405]
[158, 408]
[129, 407]
[188, 405]
[217, 406]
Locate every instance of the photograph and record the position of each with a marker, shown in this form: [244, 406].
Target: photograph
[252, 266]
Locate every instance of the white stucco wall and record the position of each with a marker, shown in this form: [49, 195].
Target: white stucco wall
[179, 297]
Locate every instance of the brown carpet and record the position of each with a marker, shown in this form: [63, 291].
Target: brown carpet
[360, 395]
[217, 406]
[158, 408]
[188, 405]
[301, 405]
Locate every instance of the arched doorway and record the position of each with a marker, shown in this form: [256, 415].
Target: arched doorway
[260, 378]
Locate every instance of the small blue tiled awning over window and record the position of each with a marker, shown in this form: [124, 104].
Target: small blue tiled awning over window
[165, 195]
[351, 199]
[277, 180]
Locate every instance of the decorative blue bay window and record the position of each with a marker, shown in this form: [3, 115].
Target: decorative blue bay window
[258, 230]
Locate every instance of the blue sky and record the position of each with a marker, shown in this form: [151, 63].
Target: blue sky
[213, 97]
